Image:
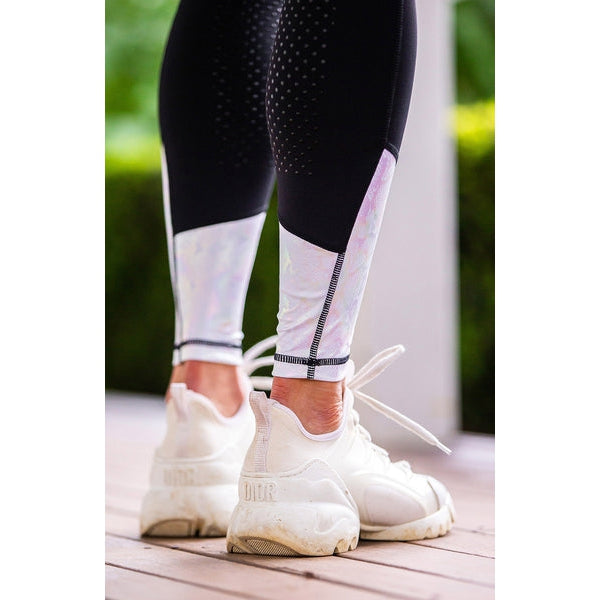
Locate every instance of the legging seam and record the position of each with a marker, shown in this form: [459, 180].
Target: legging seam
[335, 276]
[395, 71]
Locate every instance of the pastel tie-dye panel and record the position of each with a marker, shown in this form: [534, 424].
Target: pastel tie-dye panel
[212, 271]
[306, 274]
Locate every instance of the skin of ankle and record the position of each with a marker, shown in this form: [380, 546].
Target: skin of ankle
[224, 385]
[318, 404]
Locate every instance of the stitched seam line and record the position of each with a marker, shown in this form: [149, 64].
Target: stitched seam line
[395, 67]
[312, 355]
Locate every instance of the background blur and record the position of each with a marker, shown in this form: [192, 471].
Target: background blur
[139, 306]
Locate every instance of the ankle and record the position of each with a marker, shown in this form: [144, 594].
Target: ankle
[318, 404]
[224, 385]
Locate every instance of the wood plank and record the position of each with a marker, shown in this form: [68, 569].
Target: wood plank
[377, 577]
[453, 565]
[127, 500]
[474, 513]
[466, 542]
[354, 575]
[123, 584]
[415, 580]
[228, 577]
[122, 525]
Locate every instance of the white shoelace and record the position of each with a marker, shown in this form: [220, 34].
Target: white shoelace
[372, 369]
[381, 361]
[253, 361]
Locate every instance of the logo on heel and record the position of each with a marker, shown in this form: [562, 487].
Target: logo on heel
[181, 476]
[259, 491]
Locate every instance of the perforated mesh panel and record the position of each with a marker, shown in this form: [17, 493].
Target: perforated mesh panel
[294, 82]
[238, 76]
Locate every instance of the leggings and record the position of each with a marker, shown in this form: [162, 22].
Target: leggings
[313, 94]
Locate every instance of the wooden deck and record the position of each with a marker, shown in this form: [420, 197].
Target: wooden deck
[459, 565]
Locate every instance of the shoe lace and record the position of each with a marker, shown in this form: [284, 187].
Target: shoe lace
[252, 360]
[374, 367]
[368, 372]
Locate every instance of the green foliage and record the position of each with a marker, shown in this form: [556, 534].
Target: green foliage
[135, 32]
[474, 126]
[139, 307]
[474, 50]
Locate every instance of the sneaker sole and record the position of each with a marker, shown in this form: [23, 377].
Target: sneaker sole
[435, 525]
[202, 511]
[269, 547]
[308, 512]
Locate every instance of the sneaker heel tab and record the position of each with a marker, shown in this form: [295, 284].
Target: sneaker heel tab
[258, 399]
[261, 406]
[178, 397]
[256, 461]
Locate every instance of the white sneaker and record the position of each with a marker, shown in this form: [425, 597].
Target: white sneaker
[311, 494]
[194, 476]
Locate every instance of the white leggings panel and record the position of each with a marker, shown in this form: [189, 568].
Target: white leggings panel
[212, 267]
[320, 292]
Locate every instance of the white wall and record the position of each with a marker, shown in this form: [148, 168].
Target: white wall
[411, 295]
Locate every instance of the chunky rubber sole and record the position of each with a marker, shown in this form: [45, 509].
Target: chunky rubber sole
[267, 547]
[307, 512]
[293, 530]
[435, 525]
[191, 511]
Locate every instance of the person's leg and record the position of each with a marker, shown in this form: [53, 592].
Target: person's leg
[218, 176]
[338, 91]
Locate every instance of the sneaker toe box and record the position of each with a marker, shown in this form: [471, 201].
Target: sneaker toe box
[441, 493]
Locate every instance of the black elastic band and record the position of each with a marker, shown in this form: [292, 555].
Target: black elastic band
[207, 343]
[311, 362]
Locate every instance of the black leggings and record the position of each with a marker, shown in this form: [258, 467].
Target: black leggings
[309, 91]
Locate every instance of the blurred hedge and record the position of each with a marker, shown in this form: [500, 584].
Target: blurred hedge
[139, 306]
[474, 126]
